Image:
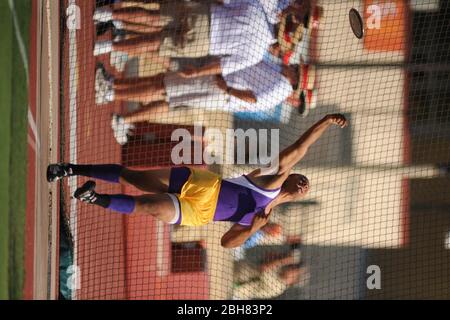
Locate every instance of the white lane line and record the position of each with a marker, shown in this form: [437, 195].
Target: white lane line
[31, 142]
[23, 51]
[73, 181]
[23, 54]
[34, 129]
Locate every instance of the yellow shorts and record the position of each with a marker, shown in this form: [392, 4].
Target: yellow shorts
[198, 198]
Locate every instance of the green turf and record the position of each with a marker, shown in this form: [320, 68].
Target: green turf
[5, 133]
[13, 148]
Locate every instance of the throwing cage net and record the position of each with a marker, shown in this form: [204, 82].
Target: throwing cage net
[375, 222]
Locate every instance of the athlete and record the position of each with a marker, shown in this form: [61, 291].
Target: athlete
[193, 197]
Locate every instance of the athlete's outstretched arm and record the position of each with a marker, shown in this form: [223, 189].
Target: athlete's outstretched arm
[290, 156]
[238, 234]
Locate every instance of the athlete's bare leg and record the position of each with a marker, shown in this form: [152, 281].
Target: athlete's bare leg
[151, 181]
[160, 206]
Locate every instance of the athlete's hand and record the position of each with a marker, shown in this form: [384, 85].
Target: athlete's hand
[337, 119]
[260, 220]
[188, 72]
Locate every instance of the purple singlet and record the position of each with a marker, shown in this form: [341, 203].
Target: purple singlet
[240, 199]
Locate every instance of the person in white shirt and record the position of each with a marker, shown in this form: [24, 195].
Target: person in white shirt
[276, 11]
[274, 8]
[259, 87]
[237, 34]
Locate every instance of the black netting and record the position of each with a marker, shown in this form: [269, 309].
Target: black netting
[134, 72]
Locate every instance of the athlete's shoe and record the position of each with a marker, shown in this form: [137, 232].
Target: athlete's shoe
[58, 171]
[86, 193]
[120, 129]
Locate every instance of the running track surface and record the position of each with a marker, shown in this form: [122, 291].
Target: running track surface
[116, 255]
[31, 169]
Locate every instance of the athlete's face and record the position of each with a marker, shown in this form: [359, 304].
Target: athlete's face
[297, 185]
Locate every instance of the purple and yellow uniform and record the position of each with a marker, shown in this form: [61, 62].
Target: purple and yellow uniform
[201, 196]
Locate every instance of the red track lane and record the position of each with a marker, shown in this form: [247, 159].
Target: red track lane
[116, 254]
[31, 169]
[100, 247]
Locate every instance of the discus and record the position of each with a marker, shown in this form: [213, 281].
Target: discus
[356, 23]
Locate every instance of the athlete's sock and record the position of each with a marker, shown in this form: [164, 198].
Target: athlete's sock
[118, 202]
[122, 203]
[106, 172]
[102, 200]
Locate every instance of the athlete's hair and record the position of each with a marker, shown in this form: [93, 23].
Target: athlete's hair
[291, 187]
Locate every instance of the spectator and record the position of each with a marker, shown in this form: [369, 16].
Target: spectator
[268, 281]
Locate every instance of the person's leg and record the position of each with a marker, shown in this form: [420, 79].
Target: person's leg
[105, 172]
[126, 83]
[139, 45]
[134, 46]
[153, 58]
[153, 5]
[138, 15]
[144, 94]
[152, 181]
[150, 112]
[160, 206]
[145, 90]
[140, 29]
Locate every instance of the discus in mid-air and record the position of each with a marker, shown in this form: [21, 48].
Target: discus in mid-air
[356, 23]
